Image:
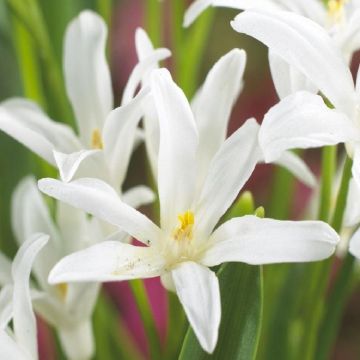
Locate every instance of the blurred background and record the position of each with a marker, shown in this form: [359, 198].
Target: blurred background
[25, 60]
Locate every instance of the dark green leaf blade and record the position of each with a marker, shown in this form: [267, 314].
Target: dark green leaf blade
[241, 303]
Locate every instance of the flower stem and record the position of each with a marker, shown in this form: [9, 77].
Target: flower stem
[29, 13]
[193, 49]
[146, 313]
[328, 171]
[343, 283]
[154, 20]
[104, 8]
[319, 274]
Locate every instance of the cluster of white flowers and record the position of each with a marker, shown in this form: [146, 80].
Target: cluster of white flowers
[198, 171]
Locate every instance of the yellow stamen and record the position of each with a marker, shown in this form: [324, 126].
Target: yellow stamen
[96, 139]
[336, 9]
[63, 290]
[184, 230]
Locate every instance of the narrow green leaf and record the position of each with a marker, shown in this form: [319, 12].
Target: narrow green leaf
[241, 302]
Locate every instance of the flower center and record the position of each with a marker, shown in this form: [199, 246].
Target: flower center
[336, 10]
[63, 290]
[184, 231]
[96, 139]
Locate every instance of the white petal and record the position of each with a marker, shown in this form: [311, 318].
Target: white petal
[141, 71]
[99, 199]
[352, 210]
[10, 350]
[303, 120]
[24, 318]
[312, 9]
[119, 136]
[78, 341]
[354, 245]
[5, 270]
[30, 215]
[6, 306]
[81, 299]
[194, 10]
[167, 281]
[143, 44]
[349, 38]
[144, 48]
[214, 104]
[198, 6]
[297, 167]
[228, 173]
[108, 261]
[68, 164]
[87, 75]
[288, 79]
[356, 164]
[198, 290]
[138, 196]
[177, 151]
[255, 241]
[25, 122]
[305, 45]
[75, 228]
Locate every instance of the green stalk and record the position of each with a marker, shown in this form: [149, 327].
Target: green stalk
[28, 64]
[146, 313]
[280, 201]
[343, 283]
[104, 8]
[29, 14]
[337, 219]
[154, 21]
[320, 271]
[31, 79]
[194, 48]
[176, 328]
[328, 171]
[177, 36]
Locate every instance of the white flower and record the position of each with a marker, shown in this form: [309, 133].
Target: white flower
[15, 304]
[185, 245]
[106, 138]
[67, 307]
[340, 18]
[212, 106]
[303, 120]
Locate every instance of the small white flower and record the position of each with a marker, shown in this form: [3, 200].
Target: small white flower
[186, 243]
[302, 120]
[340, 18]
[20, 343]
[106, 137]
[212, 106]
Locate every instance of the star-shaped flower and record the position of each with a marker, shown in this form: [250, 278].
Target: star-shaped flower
[187, 243]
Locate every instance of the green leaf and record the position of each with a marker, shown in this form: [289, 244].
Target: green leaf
[241, 302]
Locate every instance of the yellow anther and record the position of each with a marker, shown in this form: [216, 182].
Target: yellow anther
[96, 139]
[63, 290]
[184, 230]
[336, 10]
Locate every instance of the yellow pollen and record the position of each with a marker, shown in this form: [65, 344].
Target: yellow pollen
[96, 139]
[185, 229]
[63, 290]
[336, 9]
